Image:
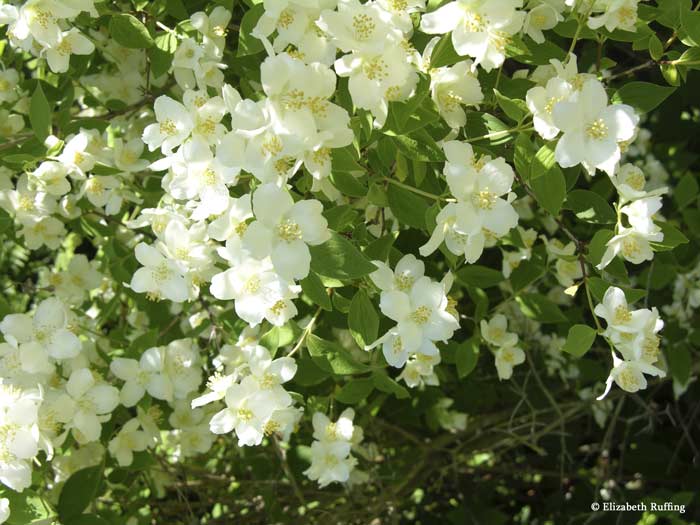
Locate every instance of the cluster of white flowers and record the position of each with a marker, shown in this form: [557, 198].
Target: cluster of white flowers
[639, 207]
[229, 219]
[197, 61]
[44, 198]
[633, 333]
[331, 460]
[42, 404]
[11, 119]
[611, 14]
[483, 211]
[504, 343]
[250, 383]
[423, 314]
[576, 105]
[42, 27]
[567, 263]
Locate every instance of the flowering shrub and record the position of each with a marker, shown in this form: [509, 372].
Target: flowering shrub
[329, 261]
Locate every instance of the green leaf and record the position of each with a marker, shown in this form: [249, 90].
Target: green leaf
[25, 507]
[40, 114]
[538, 307]
[247, 43]
[309, 373]
[686, 191]
[690, 59]
[526, 273]
[590, 207]
[485, 128]
[386, 384]
[672, 238]
[523, 155]
[314, 289]
[161, 54]
[598, 245]
[348, 184]
[656, 48]
[78, 492]
[407, 207]
[379, 249]
[128, 31]
[363, 320]
[355, 391]
[547, 180]
[542, 162]
[344, 159]
[466, 356]
[515, 109]
[690, 22]
[644, 96]
[444, 53]
[338, 258]
[420, 146]
[680, 362]
[86, 519]
[332, 357]
[479, 276]
[579, 340]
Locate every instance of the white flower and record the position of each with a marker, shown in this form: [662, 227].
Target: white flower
[283, 230]
[480, 214]
[233, 222]
[408, 270]
[258, 291]
[541, 101]
[592, 129]
[145, 375]
[248, 409]
[128, 440]
[81, 276]
[201, 176]
[71, 42]
[44, 335]
[93, 402]
[420, 315]
[618, 14]
[20, 436]
[629, 375]
[632, 244]
[480, 28]
[9, 78]
[173, 127]
[330, 452]
[4, 510]
[615, 311]
[506, 358]
[51, 178]
[182, 367]
[379, 78]
[45, 231]
[495, 332]
[330, 462]
[365, 28]
[540, 18]
[160, 277]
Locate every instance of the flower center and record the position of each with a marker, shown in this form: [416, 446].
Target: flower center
[622, 315]
[484, 199]
[289, 231]
[252, 285]
[597, 129]
[168, 127]
[364, 26]
[420, 315]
